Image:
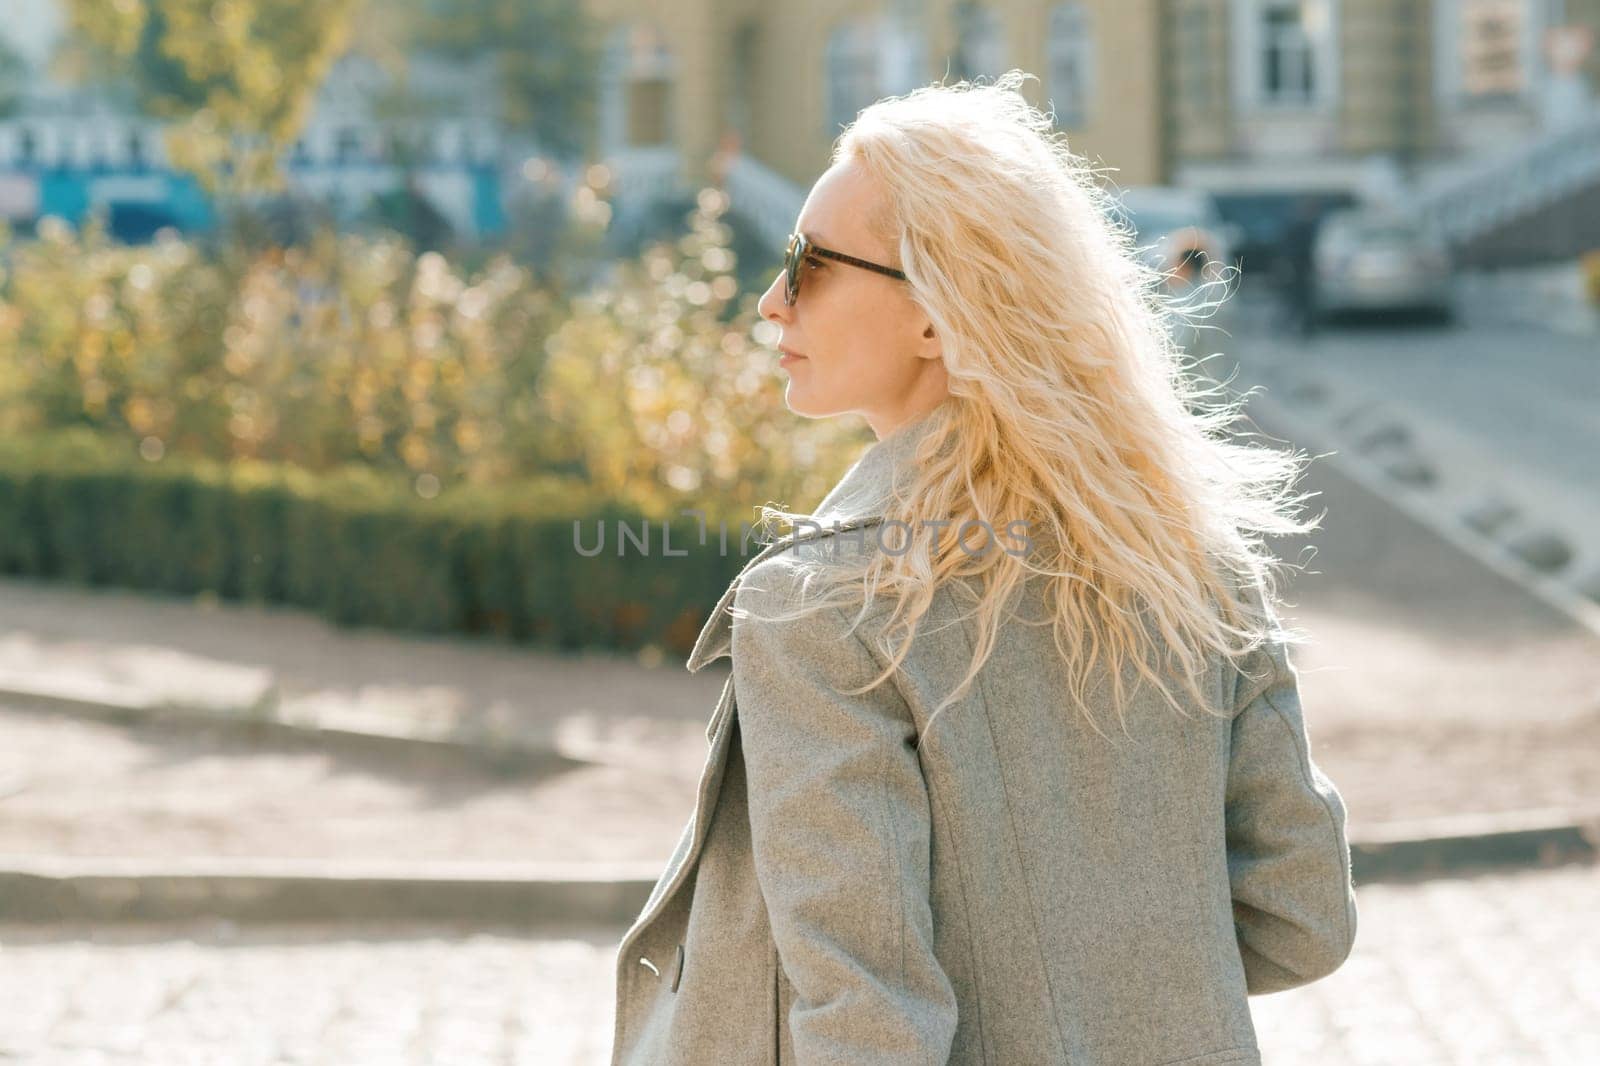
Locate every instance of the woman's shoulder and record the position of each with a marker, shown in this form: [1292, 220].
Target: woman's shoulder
[801, 569]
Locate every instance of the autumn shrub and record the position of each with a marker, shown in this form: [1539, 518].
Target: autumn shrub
[657, 384]
[349, 349]
[353, 544]
[380, 436]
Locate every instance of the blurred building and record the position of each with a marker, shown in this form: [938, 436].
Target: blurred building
[1268, 93]
[759, 91]
[1479, 114]
[69, 151]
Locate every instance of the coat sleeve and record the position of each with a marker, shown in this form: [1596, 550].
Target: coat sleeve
[1294, 907]
[840, 830]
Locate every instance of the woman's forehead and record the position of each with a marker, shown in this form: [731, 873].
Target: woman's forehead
[838, 208]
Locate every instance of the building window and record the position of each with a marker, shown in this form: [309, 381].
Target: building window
[648, 93]
[1196, 47]
[647, 102]
[1288, 64]
[980, 43]
[905, 47]
[1071, 63]
[637, 80]
[853, 73]
[1488, 51]
[744, 59]
[1289, 51]
[1492, 34]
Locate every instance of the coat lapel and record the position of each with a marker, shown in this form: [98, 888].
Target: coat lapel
[857, 500]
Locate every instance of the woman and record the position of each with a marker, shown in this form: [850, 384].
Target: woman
[915, 839]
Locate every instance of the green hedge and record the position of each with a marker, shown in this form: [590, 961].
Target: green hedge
[358, 547]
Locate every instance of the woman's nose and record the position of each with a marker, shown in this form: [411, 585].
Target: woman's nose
[771, 305]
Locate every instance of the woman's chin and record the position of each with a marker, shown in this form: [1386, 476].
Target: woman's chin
[809, 406]
[795, 396]
[805, 398]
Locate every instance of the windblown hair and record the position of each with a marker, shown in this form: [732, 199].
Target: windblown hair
[1071, 407]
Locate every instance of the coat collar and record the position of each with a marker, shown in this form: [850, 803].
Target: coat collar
[858, 499]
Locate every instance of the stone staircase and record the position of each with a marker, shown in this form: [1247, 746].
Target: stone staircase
[1536, 203]
[765, 199]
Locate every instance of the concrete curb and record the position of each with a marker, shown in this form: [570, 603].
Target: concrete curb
[1446, 847]
[35, 889]
[506, 754]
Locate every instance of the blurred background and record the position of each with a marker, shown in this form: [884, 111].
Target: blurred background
[376, 379]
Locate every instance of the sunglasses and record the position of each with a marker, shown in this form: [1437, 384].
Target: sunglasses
[798, 251]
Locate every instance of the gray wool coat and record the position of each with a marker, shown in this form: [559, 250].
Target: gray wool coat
[1012, 889]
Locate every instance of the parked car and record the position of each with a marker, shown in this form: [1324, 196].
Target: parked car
[1263, 218]
[1373, 260]
[1179, 230]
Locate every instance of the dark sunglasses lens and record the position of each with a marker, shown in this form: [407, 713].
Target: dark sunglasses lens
[791, 268]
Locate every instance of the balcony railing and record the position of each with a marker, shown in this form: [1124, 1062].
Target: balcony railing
[1469, 204]
[643, 176]
[767, 200]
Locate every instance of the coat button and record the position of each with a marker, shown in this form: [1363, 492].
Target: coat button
[677, 968]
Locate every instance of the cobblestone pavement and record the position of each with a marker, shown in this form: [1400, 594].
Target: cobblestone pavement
[222, 996]
[1495, 970]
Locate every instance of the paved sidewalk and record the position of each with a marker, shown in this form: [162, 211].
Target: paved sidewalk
[1492, 970]
[1434, 687]
[124, 651]
[76, 787]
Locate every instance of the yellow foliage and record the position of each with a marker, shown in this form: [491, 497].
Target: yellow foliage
[1591, 275]
[654, 386]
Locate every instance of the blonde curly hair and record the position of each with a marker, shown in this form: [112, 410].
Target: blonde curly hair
[1071, 406]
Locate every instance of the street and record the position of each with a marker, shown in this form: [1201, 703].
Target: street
[1530, 396]
[1483, 970]
[1498, 411]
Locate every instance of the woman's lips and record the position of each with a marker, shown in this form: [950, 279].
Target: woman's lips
[789, 358]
